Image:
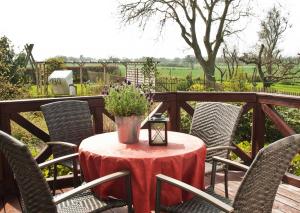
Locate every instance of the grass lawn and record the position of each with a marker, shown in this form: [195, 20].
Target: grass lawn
[286, 88]
[182, 72]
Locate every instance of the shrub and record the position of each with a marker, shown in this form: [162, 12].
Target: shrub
[185, 85]
[185, 122]
[295, 165]
[10, 91]
[197, 87]
[238, 83]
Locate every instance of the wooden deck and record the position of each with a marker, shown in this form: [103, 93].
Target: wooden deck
[287, 199]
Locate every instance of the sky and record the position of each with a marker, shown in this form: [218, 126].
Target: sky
[92, 28]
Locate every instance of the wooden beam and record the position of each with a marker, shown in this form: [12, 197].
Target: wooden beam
[174, 113]
[190, 110]
[241, 154]
[109, 115]
[291, 179]
[258, 130]
[27, 105]
[247, 107]
[30, 127]
[6, 176]
[280, 124]
[44, 154]
[98, 119]
[160, 108]
[278, 100]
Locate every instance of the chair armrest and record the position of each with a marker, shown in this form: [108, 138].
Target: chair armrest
[89, 185]
[207, 197]
[220, 148]
[57, 160]
[62, 143]
[230, 162]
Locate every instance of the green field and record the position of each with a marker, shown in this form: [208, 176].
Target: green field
[287, 88]
[182, 72]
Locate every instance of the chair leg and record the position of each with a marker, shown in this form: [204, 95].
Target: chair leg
[213, 174]
[54, 178]
[157, 199]
[129, 193]
[226, 180]
[75, 174]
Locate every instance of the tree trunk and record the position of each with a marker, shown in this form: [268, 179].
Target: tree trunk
[209, 70]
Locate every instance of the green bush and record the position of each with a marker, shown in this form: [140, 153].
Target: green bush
[185, 85]
[238, 83]
[197, 87]
[185, 122]
[9, 91]
[295, 165]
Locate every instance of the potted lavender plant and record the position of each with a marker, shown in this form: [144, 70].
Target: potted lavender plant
[128, 104]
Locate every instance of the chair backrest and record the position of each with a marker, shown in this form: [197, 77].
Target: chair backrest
[33, 188]
[68, 121]
[259, 186]
[215, 123]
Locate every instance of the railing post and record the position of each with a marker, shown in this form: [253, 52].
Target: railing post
[174, 112]
[6, 177]
[98, 119]
[258, 129]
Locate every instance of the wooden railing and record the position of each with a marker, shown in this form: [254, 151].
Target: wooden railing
[261, 103]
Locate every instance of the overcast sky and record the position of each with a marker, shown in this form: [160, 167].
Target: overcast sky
[92, 28]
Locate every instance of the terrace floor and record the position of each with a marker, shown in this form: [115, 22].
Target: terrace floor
[287, 199]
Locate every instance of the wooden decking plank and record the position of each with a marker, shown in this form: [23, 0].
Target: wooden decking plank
[290, 202]
[286, 208]
[289, 193]
[287, 199]
[291, 188]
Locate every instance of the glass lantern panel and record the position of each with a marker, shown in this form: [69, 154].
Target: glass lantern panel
[158, 133]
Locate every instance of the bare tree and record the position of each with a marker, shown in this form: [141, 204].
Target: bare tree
[211, 19]
[270, 65]
[191, 60]
[230, 58]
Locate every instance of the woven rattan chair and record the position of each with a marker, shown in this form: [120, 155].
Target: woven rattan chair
[215, 123]
[35, 192]
[257, 190]
[69, 122]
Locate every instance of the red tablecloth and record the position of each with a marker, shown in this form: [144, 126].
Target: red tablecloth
[183, 159]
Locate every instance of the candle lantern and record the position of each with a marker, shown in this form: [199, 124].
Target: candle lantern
[157, 130]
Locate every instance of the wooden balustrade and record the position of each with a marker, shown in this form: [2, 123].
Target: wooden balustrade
[262, 105]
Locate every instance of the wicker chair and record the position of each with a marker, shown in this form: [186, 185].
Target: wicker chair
[69, 122]
[35, 192]
[257, 190]
[215, 123]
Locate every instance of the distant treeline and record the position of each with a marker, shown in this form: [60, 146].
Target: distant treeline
[187, 61]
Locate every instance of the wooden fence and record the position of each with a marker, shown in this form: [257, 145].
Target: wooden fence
[262, 105]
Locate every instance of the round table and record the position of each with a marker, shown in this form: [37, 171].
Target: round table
[183, 158]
